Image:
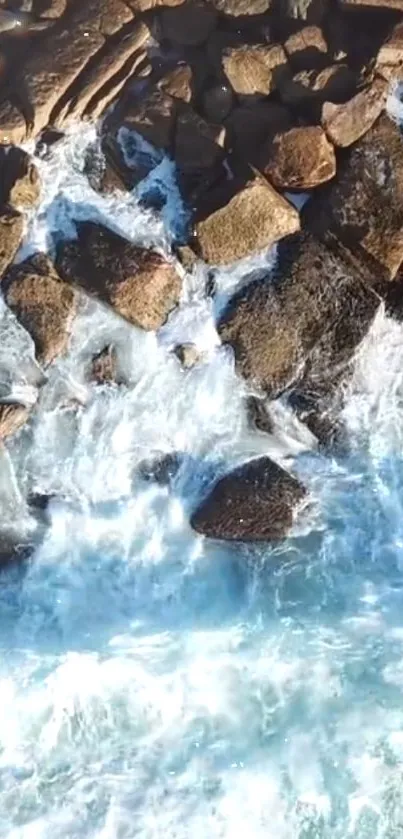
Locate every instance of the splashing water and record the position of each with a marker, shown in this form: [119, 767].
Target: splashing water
[153, 683]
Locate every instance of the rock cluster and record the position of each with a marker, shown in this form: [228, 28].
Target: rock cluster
[252, 99]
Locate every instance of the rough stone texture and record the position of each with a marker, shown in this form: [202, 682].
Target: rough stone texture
[389, 61]
[139, 284]
[190, 24]
[197, 144]
[147, 5]
[253, 503]
[12, 417]
[345, 124]
[363, 209]
[301, 158]
[19, 178]
[241, 8]
[258, 415]
[306, 49]
[274, 327]
[253, 219]
[153, 117]
[309, 88]
[11, 230]
[255, 69]
[396, 5]
[251, 127]
[104, 367]
[178, 83]
[43, 304]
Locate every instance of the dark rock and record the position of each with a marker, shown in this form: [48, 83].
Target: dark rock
[258, 415]
[197, 145]
[14, 548]
[12, 417]
[43, 304]
[254, 503]
[139, 284]
[189, 24]
[19, 178]
[104, 367]
[251, 219]
[217, 102]
[389, 61]
[249, 128]
[347, 123]
[274, 326]
[11, 231]
[311, 11]
[363, 209]
[162, 468]
[309, 89]
[255, 69]
[307, 49]
[301, 158]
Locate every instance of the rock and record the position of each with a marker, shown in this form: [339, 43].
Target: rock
[19, 178]
[14, 547]
[147, 5]
[309, 89]
[396, 5]
[104, 367]
[98, 85]
[162, 468]
[258, 415]
[312, 11]
[217, 102]
[255, 69]
[12, 417]
[389, 61]
[363, 209]
[197, 145]
[178, 83]
[43, 304]
[306, 49]
[301, 158]
[187, 354]
[274, 328]
[252, 219]
[241, 8]
[345, 124]
[189, 24]
[139, 284]
[11, 231]
[254, 503]
[186, 257]
[251, 127]
[51, 8]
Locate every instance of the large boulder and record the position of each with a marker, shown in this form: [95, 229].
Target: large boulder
[301, 158]
[247, 221]
[254, 503]
[347, 123]
[389, 60]
[19, 178]
[255, 69]
[252, 127]
[363, 208]
[274, 327]
[139, 284]
[43, 304]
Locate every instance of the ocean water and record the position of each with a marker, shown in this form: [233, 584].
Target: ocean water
[153, 683]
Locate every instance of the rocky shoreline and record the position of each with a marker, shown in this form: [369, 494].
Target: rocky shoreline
[256, 101]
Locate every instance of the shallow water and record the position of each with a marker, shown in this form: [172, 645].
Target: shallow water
[152, 683]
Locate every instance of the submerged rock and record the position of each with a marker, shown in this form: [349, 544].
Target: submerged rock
[258, 415]
[14, 547]
[162, 468]
[139, 284]
[188, 355]
[43, 304]
[254, 503]
[104, 367]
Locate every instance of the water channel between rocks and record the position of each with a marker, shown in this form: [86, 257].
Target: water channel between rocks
[153, 683]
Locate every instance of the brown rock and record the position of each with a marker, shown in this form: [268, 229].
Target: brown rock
[396, 5]
[363, 209]
[139, 284]
[241, 8]
[189, 24]
[255, 69]
[51, 8]
[104, 366]
[43, 304]
[11, 230]
[12, 418]
[251, 127]
[389, 60]
[274, 328]
[19, 178]
[306, 49]
[251, 220]
[147, 5]
[258, 415]
[178, 83]
[254, 503]
[345, 124]
[187, 257]
[301, 158]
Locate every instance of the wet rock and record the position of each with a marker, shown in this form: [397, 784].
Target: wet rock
[217, 102]
[139, 284]
[14, 547]
[312, 11]
[19, 178]
[301, 158]
[306, 49]
[104, 367]
[178, 83]
[11, 231]
[147, 5]
[363, 209]
[258, 415]
[43, 304]
[396, 5]
[161, 469]
[254, 69]
[248, 221]
[347, 123]
[12, 417]
[274, 327]
[187, 354]
[186, 257]
[242, 8]
[190, 24]
[309, 89]
[249, 128]
[197, 145]
[389, 61]
[254, 503]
